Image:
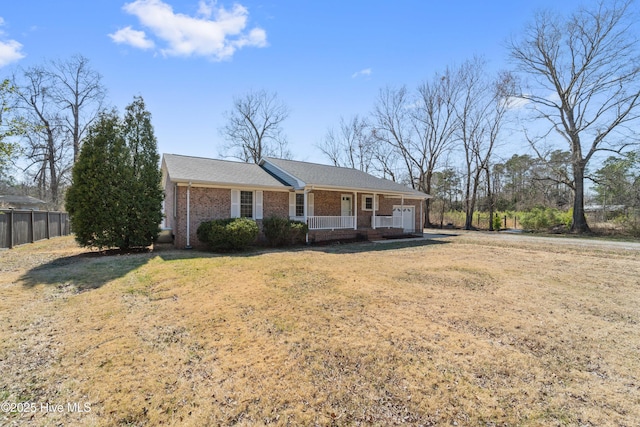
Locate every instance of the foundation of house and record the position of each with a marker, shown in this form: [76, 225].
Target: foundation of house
[316, 236]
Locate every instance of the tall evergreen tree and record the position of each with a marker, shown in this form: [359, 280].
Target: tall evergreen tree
[115, 199]
[97, 198]
[145, 209]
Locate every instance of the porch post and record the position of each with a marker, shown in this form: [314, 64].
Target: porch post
[188, 216]
[421, 219]
[402, 209]
[373, 205]
[355, 210]
[304, 213]
[305, 203]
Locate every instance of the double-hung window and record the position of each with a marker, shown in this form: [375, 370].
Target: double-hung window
[299, 204]
[368, 203]
[246, 204]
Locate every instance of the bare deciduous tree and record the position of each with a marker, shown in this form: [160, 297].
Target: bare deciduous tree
[435, 124]
[585, 74]
[56, 103]
[351, 145]
[386, 162]
[254, 127]
[419, 128]
[78, 88]
[480, 111]
[392, 128]
[47, 146]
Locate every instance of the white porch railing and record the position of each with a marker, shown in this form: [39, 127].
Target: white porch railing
[386, 222]
[381, 221]
[330, 222]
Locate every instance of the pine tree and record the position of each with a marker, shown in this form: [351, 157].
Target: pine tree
[115, 199]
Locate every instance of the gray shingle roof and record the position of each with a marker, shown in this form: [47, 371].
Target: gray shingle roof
[23, 200]
[314, 174]
[199, 170]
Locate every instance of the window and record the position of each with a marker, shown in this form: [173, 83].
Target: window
[299, 204]
[246, 204]
[367, 203]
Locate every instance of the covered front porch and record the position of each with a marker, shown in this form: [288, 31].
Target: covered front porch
[350, 222]
[357, 214]
[349, 234]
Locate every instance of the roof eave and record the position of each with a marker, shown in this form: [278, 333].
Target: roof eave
[370, 190]
[196, 183]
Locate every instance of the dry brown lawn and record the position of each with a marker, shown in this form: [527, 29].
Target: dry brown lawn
[474, 331]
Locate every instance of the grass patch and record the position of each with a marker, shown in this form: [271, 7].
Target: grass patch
[474, 332]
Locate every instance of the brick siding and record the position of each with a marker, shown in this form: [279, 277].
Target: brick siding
[326, 203]
[215, 203]
[317, 236]
[206, 204]
[275, 203]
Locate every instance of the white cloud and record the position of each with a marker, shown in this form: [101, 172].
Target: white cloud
[132, 37]
[215, 32]
[10, 50]
[516, 103]
[366, 72]
[205, 9]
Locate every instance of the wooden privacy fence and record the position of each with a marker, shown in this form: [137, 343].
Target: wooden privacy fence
[18, 227]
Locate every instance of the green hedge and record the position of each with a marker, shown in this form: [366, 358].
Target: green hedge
[281, 231]
[232, 234]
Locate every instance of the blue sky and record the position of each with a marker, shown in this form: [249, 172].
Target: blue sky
[325, 59]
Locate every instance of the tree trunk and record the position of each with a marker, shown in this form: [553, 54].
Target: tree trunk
[579, 223]
[490, 198]
[51, 157]
[76, 133]
[427, 209]
[472, 197]
[471, 207]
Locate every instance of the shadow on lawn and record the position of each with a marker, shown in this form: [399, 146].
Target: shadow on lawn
[168, 253]
[89, 270]
[360, 247]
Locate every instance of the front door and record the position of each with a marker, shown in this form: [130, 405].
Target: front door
[346, 206]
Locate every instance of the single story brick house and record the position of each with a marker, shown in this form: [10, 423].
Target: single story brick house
[335, 202]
